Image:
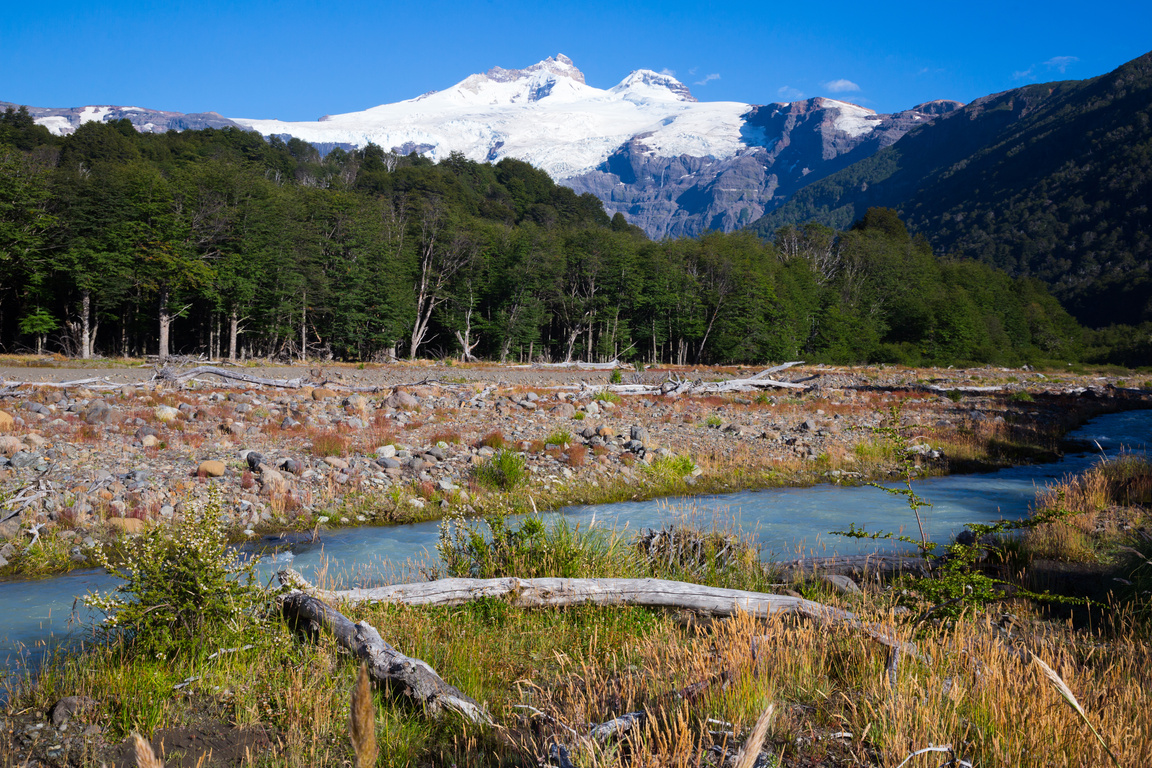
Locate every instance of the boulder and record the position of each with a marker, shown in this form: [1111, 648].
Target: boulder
[7, 422]
[323, 393]
[165, 413]
[10, 445]
[401, 399]
[211, 468]
[564, 411]
[129, 525]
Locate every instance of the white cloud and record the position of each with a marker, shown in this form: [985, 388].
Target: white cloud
[669, 72]
[789, 93]
[693, 70]
[841, 86]
[707, 79]
[1061, 63]
[1023, 74]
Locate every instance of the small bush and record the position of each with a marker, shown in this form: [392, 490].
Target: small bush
[559, 437]
[672, 467]
[1021, 397]
[181, 587]
[578, 416]
[329, 443]
[494, 439]
[616, 376]
[447, 436]
[713, 420]
[505, 470]
[577, 455]
[534, 550]
[607, 397]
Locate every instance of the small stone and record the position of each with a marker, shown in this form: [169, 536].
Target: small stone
[10, 445]
[323, 393]
[592, 409]
[150, 441]
[333, 461]
[254, 460]
[401, 399]
[842, 584]
[386, 451]
[211, 468]
[66, 708]
[6, 421]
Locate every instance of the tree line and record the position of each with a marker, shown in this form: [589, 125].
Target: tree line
[224, 244]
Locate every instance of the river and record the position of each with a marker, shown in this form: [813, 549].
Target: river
[40, 615]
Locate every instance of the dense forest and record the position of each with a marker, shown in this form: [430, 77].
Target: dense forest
[1051, 181]
[220, 243]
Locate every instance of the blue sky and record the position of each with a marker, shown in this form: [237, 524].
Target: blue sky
[298, 60]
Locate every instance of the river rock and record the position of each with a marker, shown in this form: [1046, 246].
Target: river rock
[149, 441]
[386, 451]
[98, 413]
[401, 399]
[356, 402]
[6, 421]
[23, 459]
[211, 468]
[323, 393]
[10, 445]
[592, 409]
[129, 525]
[68, 707]
[564, 411]
[165, 413]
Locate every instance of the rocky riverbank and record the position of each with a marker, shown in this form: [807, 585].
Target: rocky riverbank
[122, 450]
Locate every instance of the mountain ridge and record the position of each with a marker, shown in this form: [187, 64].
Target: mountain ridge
[691, 165]
[1049, 181]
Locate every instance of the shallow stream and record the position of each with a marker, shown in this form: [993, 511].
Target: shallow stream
[37, 616]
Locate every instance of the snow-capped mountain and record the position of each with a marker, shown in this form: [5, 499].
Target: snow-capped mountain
[546, 115]
[646, 147]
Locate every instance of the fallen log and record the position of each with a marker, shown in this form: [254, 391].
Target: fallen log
[179, 377]
[651, 593]
[386, 665]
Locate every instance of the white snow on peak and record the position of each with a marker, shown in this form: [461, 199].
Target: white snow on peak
[93, 114]
[57, 125]
[547, 115]
[852, 119]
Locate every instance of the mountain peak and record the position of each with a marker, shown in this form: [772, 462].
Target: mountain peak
[650, 84]
[559, 65]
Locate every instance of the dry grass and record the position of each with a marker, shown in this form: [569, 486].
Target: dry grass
[1096, 504]
[329, 443]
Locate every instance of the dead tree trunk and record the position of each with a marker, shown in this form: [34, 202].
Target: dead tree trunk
[386, 665]
[652, 593]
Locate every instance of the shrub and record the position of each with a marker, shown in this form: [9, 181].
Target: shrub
[577, 455]
[713, 420]
[559, 437]
[181, 586]
[672, 467]
[329, 443]
[616, 376]
[606, 397]
[494, 439]
[533, 550]
[505, 470]
[579, 415]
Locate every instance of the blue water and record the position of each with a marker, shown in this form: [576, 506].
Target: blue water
[787, 522]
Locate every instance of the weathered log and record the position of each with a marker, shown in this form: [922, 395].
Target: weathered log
[179, 377]
[413, 677]
[652, 593]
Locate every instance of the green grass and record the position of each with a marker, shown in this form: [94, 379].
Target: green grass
[559, 437]
[504, 470]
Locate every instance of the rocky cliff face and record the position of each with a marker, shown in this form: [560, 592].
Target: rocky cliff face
[789, 146]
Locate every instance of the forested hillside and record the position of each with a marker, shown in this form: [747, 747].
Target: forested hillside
[1051, 181]
[219, 242]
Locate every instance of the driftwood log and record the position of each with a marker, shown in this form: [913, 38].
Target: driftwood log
[652, 593]
[386, 665]
[180, 377]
